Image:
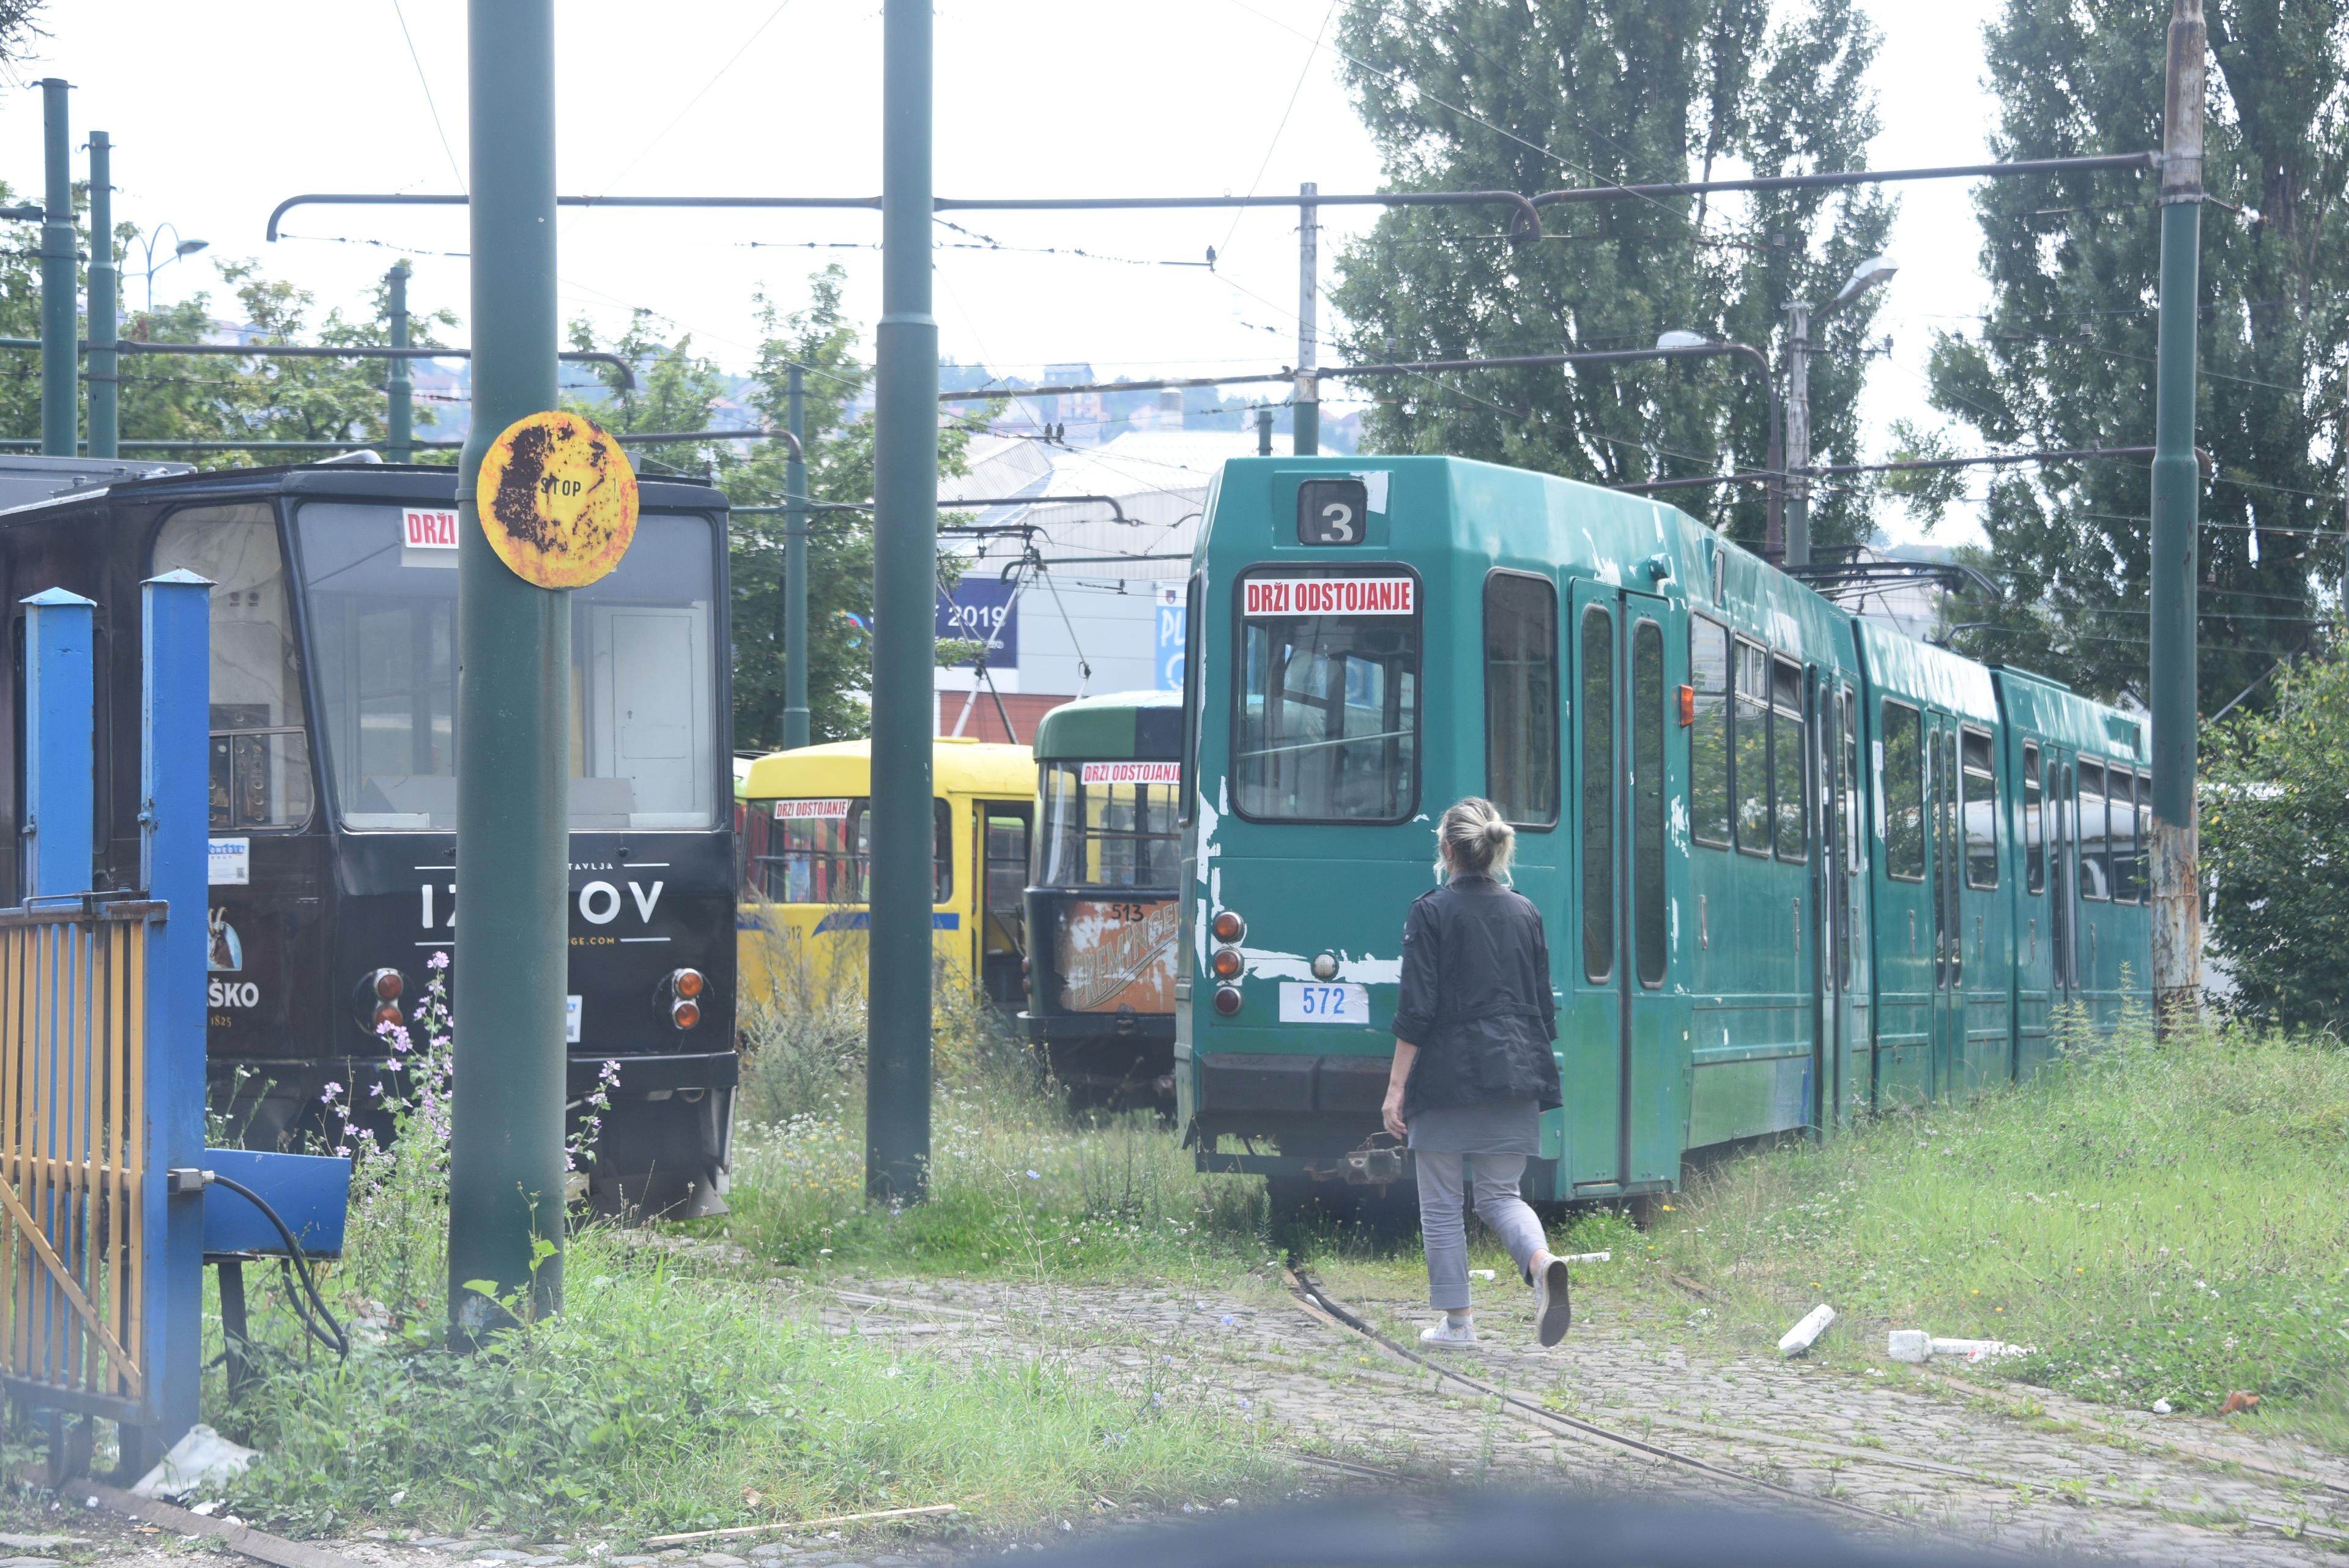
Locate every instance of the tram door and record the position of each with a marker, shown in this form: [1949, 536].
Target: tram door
[1622, 1098]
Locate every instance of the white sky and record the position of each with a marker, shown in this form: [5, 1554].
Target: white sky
[224, 108]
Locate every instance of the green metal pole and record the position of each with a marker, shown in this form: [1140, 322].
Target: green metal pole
[795, 526]
[905, 598]
[513, 713]
[60, 323]
[2176, 854]
[400, 423]
[105, 298]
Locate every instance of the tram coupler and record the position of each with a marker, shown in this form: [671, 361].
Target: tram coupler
[1375, 1164]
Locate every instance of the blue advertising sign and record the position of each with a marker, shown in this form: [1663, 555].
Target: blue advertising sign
[983, 609]
[1170, 623]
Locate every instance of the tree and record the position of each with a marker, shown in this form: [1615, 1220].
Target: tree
[1532, 95]
[2275, 839]
[2066, 357]
[681, 392]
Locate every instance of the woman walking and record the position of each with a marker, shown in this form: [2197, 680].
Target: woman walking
[1473, 1066]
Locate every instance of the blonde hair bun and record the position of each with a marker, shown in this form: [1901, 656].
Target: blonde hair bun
[1474, 839]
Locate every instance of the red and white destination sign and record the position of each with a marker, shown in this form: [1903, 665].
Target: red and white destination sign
[805, 810]
[1131, 773]
[428, 529]
[1331, 596]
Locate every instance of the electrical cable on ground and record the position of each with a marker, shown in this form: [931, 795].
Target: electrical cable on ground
[297, 1262]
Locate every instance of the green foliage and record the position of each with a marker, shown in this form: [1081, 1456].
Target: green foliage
[679, 392]
[2065, 357]
[2275, 835]
[2160, 1219]
[1532, 95]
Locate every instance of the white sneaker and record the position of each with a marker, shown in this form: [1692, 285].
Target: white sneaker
[1445, 1333]
[1552, 1311]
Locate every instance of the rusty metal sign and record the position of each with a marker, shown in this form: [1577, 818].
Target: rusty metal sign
[1118, 953]
[558, 500]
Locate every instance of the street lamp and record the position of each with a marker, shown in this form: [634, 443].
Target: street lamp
[1679, 340]
[1873, 272]
[183, 248]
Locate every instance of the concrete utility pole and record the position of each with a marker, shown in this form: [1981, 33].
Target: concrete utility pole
[1305, 405]
[105, 297]
[1873, 272]
[795, 529]
[2176, 851]
[1795, 521]
[399, 424]
[905, 610]
[60, 326]
[513, 715]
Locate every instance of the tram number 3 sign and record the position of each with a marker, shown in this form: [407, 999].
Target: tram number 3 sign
[1332, 511]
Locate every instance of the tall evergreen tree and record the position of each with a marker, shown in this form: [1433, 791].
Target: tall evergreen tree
[2066, 357]
[1537, 94]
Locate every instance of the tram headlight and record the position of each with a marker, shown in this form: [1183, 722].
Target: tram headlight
[685, 1015]
[1227, 1000]
[1226, 963]
[686, 984]
[1229, 927]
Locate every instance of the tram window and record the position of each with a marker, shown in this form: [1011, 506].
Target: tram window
[2096, 864]
[2126, 793]
[821, 851]
[1750, 748]
[1106, 835]
[1851, 817]
[260, 744]
[1904, 794]
[1786, 757]
[1521, 698]
[644, 721]
[1597, 793]
[1328, 727]
[1978, 804]
[1648, 799]
[2034, 830]
[1005, 847]
[1709, 736]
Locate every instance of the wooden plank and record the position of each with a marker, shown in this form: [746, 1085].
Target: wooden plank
[140, 945]
[735, 1531]
[238, 1538]
[120, 1037]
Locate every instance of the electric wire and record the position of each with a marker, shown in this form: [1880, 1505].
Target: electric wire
[756, 32]
[425, 82]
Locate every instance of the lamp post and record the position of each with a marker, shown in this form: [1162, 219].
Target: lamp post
[184, 247]
[1873, 272]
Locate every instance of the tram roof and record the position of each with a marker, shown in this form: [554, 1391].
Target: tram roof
[1116, 726]
[381, 482]
[844, 768]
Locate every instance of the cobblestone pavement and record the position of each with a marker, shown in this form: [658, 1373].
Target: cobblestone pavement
[1989, 1462]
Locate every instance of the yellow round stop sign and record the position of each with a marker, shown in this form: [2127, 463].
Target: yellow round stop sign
[557, 498]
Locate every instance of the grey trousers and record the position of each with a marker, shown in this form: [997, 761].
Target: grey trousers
[1442, 1218]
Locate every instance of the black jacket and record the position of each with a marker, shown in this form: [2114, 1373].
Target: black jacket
[1476, 999]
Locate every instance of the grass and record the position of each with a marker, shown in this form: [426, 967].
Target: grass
[666, 1396]
[664, 1401]
[2159, 1220]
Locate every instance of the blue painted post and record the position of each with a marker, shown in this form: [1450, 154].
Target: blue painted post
[174, 808]
[59, 782]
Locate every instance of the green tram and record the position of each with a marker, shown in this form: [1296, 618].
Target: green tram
[1795, 867]
[1101, 902]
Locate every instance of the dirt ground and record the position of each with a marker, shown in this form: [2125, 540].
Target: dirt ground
[1922, 1458]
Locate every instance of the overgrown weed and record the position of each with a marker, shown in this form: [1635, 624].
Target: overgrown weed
[2158, 1219]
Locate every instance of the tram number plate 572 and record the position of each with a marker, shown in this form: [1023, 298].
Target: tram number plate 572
[1310, 1002]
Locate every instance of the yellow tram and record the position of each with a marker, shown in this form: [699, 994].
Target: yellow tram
[802, 846]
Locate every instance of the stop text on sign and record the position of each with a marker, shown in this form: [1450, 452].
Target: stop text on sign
[1132, 773]
[427, 529]
[1329, 595]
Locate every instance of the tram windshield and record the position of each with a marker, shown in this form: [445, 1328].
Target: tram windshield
[1108, 824]
[645, 731]
[1328, 720]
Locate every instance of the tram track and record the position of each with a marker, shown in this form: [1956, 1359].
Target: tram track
[1317, 1301]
